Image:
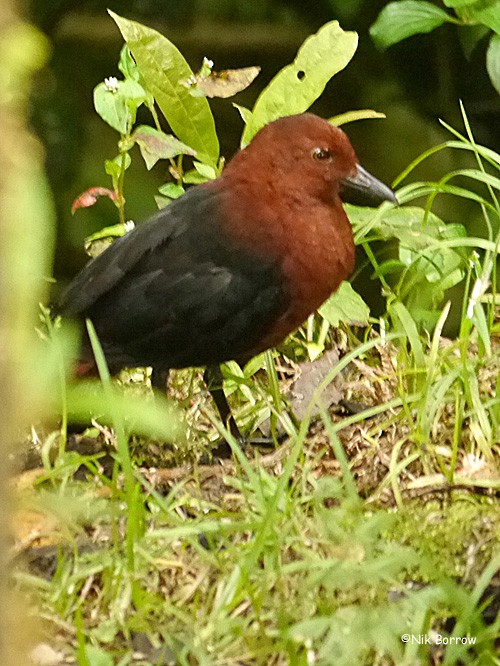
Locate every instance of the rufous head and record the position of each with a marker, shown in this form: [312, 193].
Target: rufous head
[308, 154]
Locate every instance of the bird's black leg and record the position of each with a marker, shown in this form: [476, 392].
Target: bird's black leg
[213, 379]
[159, 379]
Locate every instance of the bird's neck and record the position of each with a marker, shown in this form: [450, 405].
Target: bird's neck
[310, 239]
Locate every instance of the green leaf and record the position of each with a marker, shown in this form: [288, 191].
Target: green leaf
[469, 37]
[162, 67]
[115, 231]
[346, 306]
[101, 240]
[162, 202]
[171, 190]
[200, 174]
[399, 20]
[389, 267]
[486, 12]
[156, 145]
[299, 84]
[155, 418]
[407, 322]
[351, 116]
[193, 177]
[459, 3]
[245, 113]
[114, 167]
[117, 104]
[98, 657]
[208, 172]
[127, 64]
[493, 61]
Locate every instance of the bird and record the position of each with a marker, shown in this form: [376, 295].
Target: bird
[234, 265]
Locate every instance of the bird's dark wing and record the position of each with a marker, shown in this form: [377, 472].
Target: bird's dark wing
[105, 271]
[177, 292]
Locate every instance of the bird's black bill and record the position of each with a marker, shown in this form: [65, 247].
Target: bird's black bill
[363, 189]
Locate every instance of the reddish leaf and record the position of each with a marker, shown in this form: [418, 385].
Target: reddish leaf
[90, 196]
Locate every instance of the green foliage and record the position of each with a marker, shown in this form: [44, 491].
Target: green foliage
[158, 74]
[162, 68]
[493, 61]
[404, 18]
[291, 563]
[117, 103]
[424, 268]
[345, 305]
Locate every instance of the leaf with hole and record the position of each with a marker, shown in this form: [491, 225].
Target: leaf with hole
[299, 84]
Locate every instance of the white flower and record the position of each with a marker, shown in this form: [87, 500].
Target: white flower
[129, 225]
[111, 83]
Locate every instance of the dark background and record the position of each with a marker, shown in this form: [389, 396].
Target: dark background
[414, 83]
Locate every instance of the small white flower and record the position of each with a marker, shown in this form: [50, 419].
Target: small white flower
[129, 225]
[209, 63]
[111, 83]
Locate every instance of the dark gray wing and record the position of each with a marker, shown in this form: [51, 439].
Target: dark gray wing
[174, 292]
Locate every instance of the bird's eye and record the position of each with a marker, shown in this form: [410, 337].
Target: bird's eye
[321, 154]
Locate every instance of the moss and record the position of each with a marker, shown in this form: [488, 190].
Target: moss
[456, 539]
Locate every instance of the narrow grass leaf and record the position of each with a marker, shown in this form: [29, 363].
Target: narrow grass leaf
[411, 331]
[156, 418]
[351, 116]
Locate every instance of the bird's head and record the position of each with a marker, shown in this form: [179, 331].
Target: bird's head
[306, 154]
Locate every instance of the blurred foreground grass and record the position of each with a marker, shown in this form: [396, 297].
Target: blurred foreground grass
[26, 226]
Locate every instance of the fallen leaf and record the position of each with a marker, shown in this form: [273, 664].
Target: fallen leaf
[312, 374]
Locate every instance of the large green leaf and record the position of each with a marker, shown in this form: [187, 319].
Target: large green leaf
[493, 61]
[459, 3]
[399, 20]
[299, 84]
[486, 12]
[346, 306]
[162, 67]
